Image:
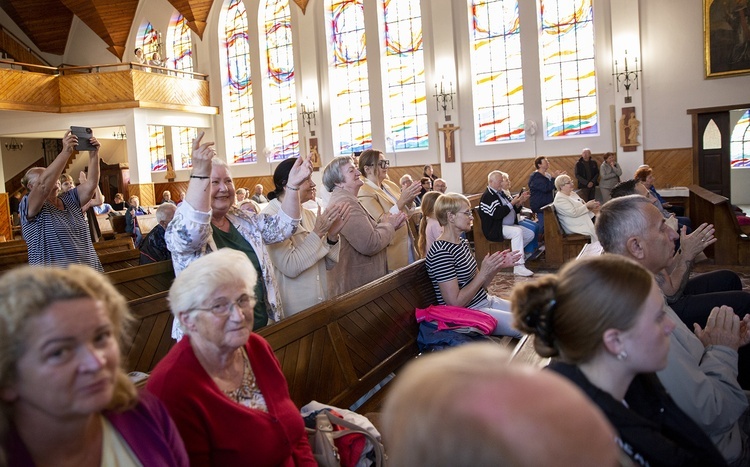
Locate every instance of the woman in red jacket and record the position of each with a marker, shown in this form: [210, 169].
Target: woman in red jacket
[221, 383]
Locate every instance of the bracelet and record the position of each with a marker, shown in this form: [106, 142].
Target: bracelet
[293, 188]
[330, 242]
[200, 177]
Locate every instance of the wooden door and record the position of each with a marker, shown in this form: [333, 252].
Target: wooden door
[713, 135]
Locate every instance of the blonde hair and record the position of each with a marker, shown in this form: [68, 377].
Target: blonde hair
[428, 210]
[28, 291]
[449, 203]
[569, 312]
[561, 180]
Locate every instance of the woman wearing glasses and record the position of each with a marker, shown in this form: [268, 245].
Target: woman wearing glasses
[453, 270]
[379, 196]
[222, 384]
[575, 214]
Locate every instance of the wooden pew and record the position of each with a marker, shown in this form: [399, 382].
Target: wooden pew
[120, 259]
[334, 352]
[559, 247]
[733, 246]
[142, 281]
[120, 245]
[482, 246]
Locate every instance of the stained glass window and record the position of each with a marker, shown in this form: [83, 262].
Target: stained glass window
[185, 137]
[568, 69]
[148, 40]
[497, 81]
[240, 124]
[281, 112]
[179, 39]
[157, 148]
[350, 106]
[739, 146]
[406, 106]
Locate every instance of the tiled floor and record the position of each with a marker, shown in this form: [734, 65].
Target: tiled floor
[503, 283]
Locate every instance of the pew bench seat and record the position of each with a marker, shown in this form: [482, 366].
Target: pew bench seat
[560, 247]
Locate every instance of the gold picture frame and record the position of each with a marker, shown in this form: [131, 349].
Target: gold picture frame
[726, 37]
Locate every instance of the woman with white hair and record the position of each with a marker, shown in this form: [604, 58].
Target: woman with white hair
[575, 214]
[65, 400]
[208, 221]
[222, 384]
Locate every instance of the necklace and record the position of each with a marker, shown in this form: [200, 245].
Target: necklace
[223, 225]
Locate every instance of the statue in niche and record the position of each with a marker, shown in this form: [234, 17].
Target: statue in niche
[629, 129]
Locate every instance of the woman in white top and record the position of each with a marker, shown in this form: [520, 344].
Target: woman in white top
[575, 214]
[301, 261]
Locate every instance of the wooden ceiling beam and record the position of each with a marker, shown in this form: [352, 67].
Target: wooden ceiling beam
[196, 12]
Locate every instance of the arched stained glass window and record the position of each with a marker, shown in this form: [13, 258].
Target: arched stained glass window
[740, 142]
[240, 125]
[185, 137]
[497, 80]
[568, 69]
[148, 40]
[406, 106]
[349, 84]
[180, 43]
[281, 111]
[157, 148]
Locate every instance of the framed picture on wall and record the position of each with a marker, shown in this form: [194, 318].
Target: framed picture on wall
[726, 37]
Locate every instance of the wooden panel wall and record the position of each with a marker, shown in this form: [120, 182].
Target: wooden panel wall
[20, 52]
[22, 90]
[395, 173]
[672, 167]
[519, 170]
[144, 192]
[95, 88]
[158, 88]
[5, 219]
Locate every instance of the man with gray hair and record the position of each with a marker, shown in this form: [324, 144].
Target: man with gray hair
[702, 368]
[154, 245]
[439, 185]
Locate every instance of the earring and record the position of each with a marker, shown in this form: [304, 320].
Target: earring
[622, 356]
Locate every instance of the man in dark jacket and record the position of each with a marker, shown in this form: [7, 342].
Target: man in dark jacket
[587, 173]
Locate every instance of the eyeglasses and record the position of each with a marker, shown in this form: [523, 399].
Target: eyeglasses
[384, 164]
[224, 307]
[465, 213]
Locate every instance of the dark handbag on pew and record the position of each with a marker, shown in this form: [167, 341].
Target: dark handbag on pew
[330, 428]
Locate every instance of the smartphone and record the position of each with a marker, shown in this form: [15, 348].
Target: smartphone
[84, 134]
[522, 190]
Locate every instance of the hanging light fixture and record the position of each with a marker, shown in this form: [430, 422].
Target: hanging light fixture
[120, 134]
[13, 145]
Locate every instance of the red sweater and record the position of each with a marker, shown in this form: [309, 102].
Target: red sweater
[218, 431]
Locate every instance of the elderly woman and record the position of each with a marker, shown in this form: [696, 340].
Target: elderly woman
[429, 227]
[609, 173]
[208, 220]
[302, 260]
[611, 348]
[154, 246]
[240, 195]
[65, 398]
[575, 214]
[453, 270]
[362, 256]
[53, 226]
[222, 384]
[380, 196]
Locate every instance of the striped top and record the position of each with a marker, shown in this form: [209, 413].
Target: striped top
[58, 238]
[447, 261]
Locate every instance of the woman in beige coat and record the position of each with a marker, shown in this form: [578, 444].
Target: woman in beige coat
[362, 255]
[380, 196]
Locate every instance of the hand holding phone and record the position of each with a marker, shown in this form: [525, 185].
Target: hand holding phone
[83, 134]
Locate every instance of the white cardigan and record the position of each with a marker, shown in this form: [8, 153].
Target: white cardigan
[574, 216]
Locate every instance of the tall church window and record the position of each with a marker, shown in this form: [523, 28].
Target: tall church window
[281, 110]
[406, 106]
[497, 80]
[739, 146]
[240, 124]
[148, 40]
[348, 78]
[157, 148]
[185, 137]
[180, 43]
[568, 68]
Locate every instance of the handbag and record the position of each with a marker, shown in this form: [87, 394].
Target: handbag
[323, 439]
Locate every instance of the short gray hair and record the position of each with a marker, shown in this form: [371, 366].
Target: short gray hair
[206, 274]
[562, 180]
[165, 212]
[332, 172]
[620, 219]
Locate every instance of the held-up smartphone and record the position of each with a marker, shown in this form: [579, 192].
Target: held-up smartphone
[522, 190]
[84, 134]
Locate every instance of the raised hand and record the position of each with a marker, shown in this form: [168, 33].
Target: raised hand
[202, 155]
[300, 172]
[697, 241]
[408, 194]
[69, 142]
[339, 221]
[722, 328]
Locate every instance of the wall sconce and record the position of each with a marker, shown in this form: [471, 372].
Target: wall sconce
[120, 134]
[443, 98]
[627, 78]
[308, 114]
[13, 145]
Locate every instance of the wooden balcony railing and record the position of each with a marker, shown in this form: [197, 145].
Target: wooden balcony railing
[66, 89]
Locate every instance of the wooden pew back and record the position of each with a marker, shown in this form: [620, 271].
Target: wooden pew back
[142, 281]
[106, 251]
[560, 247]
[733, 246]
